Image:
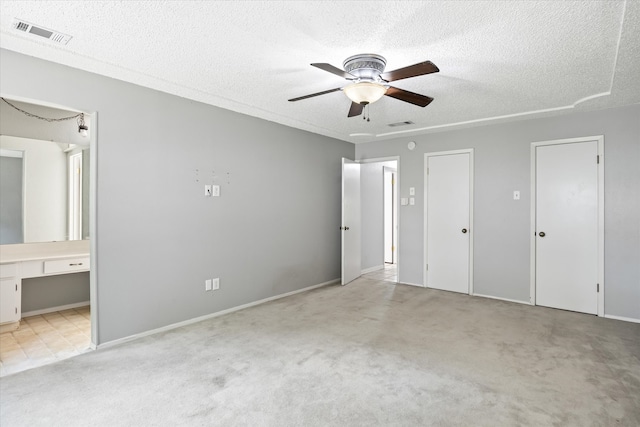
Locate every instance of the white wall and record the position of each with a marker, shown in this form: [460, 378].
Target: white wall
[502, 233]
[45, 188]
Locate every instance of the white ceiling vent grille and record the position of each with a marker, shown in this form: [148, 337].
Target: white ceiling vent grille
[29, 28]
[406, 123]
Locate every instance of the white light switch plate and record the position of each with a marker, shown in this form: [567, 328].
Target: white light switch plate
[216, 191]
[216, 284]
[207, 190]
[412, 191]
[208, 285]
[404, 201]
[516, 195]
[412, 201]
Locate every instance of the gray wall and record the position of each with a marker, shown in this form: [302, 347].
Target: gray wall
[274, 229]
[11, 200]
[502, 165]
[54, 291]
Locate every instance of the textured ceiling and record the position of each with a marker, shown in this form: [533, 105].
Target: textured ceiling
[498, 60]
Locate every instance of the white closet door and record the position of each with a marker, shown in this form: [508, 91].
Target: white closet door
[566, 238]
[448, 193]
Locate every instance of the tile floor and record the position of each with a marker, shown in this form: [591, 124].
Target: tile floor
[389, 273]
[44, 339]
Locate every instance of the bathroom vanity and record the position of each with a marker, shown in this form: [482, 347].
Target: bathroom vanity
[29, 260]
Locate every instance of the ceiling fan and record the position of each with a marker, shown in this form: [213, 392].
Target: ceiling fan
[369, 82]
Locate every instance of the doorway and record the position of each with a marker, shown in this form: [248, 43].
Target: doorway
[567, 202]
[448, 226]
[390, 215]
[57, 152]
[364, 215]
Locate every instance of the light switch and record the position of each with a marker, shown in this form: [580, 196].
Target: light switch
[216, 283]
[208, 285]
[412, 201]
[216, 191]
[516, 195]
[412, 191]
[404, 201]
[207, 190]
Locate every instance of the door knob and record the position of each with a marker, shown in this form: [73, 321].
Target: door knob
[541, 234]
[464, 230]
[344, 228]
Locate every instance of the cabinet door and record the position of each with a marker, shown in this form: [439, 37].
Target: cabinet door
[9, 300]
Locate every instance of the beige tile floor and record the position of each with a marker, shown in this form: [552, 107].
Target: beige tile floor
[45, 339]
[389, 273]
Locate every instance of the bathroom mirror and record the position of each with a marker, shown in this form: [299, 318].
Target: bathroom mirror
[44, 176]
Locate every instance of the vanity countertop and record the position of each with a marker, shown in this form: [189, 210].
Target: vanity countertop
[43, 251]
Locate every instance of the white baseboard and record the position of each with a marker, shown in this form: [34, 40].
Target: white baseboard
[54, 309]
[624, 319]
[503, 299]
[372, 269]
[210, 316]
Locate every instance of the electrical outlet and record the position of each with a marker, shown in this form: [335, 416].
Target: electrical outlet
[208, 285]
[216, 284]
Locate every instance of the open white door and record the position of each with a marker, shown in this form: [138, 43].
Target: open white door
[350, 229]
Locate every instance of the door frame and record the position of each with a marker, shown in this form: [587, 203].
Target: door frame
[394, 214]
[425, 219]
[532, 240]
[397, 207]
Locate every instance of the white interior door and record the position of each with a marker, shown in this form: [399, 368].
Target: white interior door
[350, 229]
[566, 238]
[448, 220]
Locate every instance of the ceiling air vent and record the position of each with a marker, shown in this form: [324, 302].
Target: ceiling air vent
[406, 123]
[29, 28]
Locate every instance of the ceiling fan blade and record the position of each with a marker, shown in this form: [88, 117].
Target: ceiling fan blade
[335, 70]
[426, 67]
[315, 94]
[355, 110]
[410, 97]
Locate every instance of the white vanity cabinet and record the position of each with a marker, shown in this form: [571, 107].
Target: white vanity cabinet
[24, 261]
[10, 294]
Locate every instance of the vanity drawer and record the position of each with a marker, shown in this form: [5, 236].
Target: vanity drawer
[8, 270]
[68, 265]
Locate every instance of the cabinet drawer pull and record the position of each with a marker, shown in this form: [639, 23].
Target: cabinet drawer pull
[77, 263]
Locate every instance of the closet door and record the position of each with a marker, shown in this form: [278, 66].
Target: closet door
[448, 195]
[566, 223]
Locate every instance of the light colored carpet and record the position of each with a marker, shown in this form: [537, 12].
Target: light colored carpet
[371, 353]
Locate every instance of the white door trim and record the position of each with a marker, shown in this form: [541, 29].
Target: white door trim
[394, 215]
[532, 241]
[471, 224]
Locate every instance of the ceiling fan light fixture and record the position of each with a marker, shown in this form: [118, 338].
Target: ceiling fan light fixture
[364, 92]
